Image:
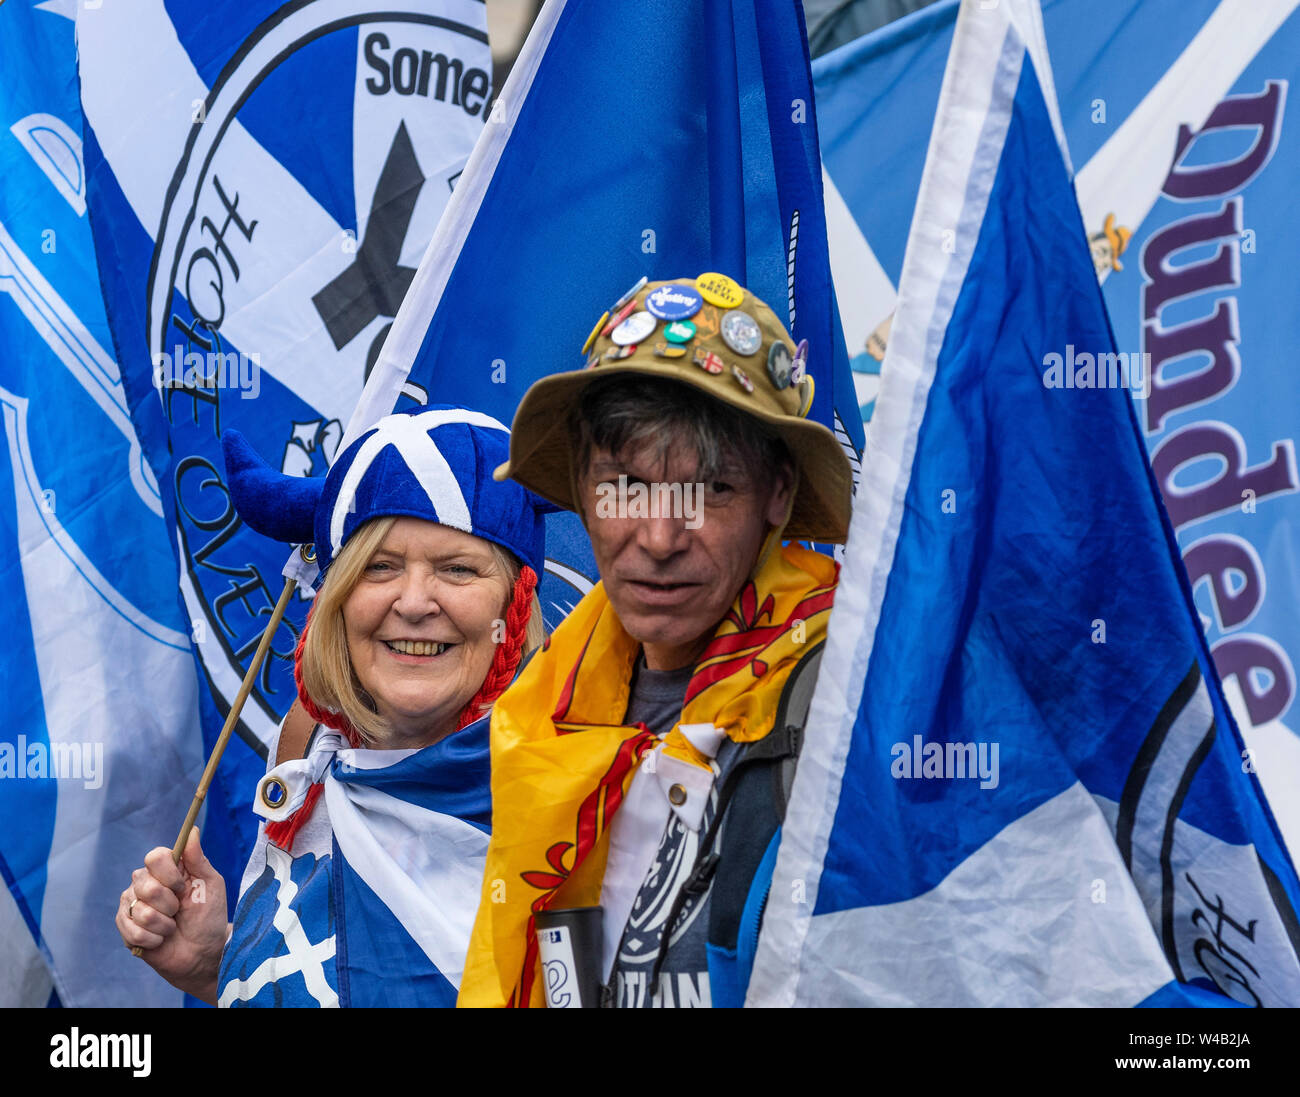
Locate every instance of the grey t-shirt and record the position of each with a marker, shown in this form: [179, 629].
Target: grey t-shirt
[656, 701]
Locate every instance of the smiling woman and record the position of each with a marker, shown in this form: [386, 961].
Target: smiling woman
[364, 882]
[405, 629]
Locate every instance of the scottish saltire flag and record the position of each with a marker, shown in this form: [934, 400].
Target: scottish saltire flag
[261, 190]
[99, 752]
[375, 903]
[1175, 112]
[1021, 783]
[639, 140]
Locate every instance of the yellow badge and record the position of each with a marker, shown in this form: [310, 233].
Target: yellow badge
[594, 332]
[718, 289]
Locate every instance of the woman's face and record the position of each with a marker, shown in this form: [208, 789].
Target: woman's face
[420, 626]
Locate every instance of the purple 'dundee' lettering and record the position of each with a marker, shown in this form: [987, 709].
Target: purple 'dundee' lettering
[1226, 490]
[1215, 559]
[1217, 336]
[1165, 283]
[1263, 111]
[1237, 656]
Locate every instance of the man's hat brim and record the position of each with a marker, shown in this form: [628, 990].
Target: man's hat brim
[541, 450]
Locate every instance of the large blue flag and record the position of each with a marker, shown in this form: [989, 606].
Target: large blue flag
[261, 188]
[1021, 783]
[1175, 112]
[99, 752]
[634, 140]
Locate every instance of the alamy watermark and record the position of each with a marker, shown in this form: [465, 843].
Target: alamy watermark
[1084, 370]
[642, 500]
[39, 761]
[213, 370]
[99, 1050]
[945, 761]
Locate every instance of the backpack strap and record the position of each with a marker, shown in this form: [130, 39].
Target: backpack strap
[755, 802]
[792, 714]
[295, 734]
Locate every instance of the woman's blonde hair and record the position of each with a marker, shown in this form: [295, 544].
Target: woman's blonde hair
[327, 673]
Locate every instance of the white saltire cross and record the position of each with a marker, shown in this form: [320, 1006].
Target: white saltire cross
[302, 956]
[410, 435]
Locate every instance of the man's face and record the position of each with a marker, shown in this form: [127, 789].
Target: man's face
[671, 577]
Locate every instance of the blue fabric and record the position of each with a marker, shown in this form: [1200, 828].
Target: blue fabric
[730, 969]
[696, 184]
[375, 960]
[255, 937]
[396, 480]
[1196, 995]
[449, 777]
[378, 962]
[1034, 604]
[1025, 566]
[875, 103]
[726, 980]
[751, 917]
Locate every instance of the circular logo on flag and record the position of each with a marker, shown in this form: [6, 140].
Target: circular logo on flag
[297, 207]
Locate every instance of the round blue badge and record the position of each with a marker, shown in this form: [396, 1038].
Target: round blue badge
[674, 301]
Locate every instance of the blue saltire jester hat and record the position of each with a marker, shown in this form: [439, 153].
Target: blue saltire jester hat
[432, 462]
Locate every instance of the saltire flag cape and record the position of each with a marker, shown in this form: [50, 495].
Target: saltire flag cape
[374, 904]
[1021, 784]
[631, 140]
[1176, 115]
[262, 188]
[99, 752]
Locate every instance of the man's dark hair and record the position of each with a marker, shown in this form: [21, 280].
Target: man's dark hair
[632, 410]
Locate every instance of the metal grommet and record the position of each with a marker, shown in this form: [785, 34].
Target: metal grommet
[677, 795]
[308, 553]
[274, 793]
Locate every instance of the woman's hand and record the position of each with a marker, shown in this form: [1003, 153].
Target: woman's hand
[177, 915]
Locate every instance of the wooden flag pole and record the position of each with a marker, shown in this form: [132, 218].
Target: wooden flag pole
[232, 718]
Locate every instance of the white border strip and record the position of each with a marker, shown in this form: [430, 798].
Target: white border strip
[965, 147]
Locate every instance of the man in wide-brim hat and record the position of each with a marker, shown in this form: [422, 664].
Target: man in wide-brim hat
[642, 760]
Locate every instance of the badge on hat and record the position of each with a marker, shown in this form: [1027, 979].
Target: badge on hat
[669, 350]
[635, 328]
[778, 365]
[707, 361]
[617, 316]
[674, 302]
[718, 289]
[741, 333]
[680, 331]
[743, 378]
[616, 353]
[800, 364]
[594, 332]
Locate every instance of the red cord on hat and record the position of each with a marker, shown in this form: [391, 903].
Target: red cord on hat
[283, 833]
[499, 676]
[506, 661]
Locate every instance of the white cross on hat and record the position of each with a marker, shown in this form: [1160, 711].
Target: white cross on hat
[410, 435]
